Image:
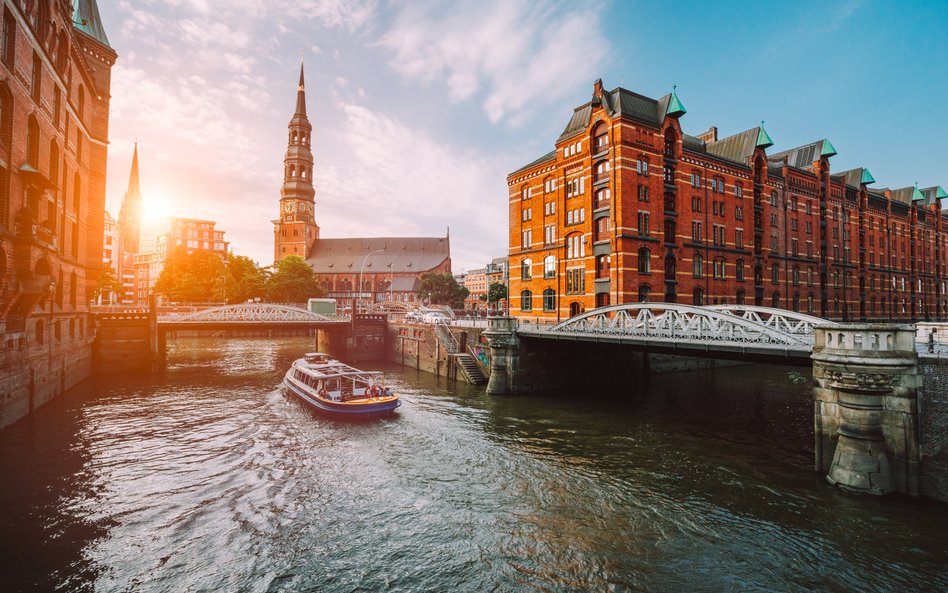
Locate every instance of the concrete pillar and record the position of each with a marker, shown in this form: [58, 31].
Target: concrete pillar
[865, 407]
[501, 334]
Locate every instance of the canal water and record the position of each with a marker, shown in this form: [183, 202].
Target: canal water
[206, 477]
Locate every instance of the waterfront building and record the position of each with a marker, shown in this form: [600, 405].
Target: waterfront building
[56, 64]
[351, 270]
[190, 235]
[109, 256]
[475, 281]
[630, 208]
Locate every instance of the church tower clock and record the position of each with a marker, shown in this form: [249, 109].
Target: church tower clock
[296, 229]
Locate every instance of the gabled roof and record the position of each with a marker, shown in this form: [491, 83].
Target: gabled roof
[402, 254]
[803, 157]
[85, 18]
[547, 157]
[625, 103]
[855, 177]
[737, 148]
[903, 195]
[934, 193]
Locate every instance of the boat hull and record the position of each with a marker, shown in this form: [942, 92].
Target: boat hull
[348, 409]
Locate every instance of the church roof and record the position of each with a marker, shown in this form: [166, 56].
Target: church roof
[415, 255]
[85, 18]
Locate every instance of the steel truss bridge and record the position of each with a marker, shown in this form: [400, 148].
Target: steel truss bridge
[250, 316]
[719, 331]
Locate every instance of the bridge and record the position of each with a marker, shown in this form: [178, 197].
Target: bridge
[250, 316]
[720, 331]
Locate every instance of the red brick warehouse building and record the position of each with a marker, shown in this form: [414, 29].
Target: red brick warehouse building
[55, 79]
[629, 208]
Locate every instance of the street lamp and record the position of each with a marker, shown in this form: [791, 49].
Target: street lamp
[355, 304]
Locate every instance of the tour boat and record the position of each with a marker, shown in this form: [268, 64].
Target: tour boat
[339, 389]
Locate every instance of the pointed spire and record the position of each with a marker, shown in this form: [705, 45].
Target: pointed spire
[940, 192]
[301, 94]
[675, 107]
[763, 138]
[828, 149]
[134, 185]
[867, 177]
[916, 194]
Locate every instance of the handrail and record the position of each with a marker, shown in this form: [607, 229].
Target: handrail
[480, 364]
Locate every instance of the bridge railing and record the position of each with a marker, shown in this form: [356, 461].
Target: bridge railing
[760, 327]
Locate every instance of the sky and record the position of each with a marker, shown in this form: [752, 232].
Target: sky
[421, 109]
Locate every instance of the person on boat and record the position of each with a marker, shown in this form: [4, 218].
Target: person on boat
[386, 392]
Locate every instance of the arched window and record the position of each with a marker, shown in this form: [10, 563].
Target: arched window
[526, 300]
[601, 171]
[526, 269]
[775, 300]
[76, 192]
[698, 266]
[549, 300]
[6, 116]
[574, 309]
[600, 137]
[645, 261]
[739, 270]
[53, 161]
[8, 40]
[294, 137]
[670, 267]
[719, 268]
[32, 142]
[302, 172]
[549, 267]
[741, 297]
[292, 171]
[796, 302]
[697, 296]
[645, 291]
[72, 289]
[671, 142]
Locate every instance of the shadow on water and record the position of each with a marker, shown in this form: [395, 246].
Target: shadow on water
[207, 477]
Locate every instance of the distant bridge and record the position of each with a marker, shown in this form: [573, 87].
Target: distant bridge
[720, 331]
[251, 316]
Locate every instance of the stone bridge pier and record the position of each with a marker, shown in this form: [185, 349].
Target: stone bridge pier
[866, 407]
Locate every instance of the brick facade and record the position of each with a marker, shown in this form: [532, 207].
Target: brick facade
[55, 73]
[628, 208]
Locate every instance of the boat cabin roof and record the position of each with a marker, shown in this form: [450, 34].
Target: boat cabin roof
[331, 368]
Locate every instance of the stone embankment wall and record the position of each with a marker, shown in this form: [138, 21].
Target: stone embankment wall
[29, 379]
[123, 342]
[416, 346]
[933, 427]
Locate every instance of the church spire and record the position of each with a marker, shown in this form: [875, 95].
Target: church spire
[129, 222]
[301, 95]
[134, 185]
[296, 229]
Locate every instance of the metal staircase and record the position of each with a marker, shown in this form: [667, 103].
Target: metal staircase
[464, 362]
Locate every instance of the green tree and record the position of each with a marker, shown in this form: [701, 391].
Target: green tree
[442, 289]
[496, 292]
[192, 277]
[108, 284]
[245, 279]
[293, 281]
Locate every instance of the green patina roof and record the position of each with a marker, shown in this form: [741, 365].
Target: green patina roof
[940, 192]
[85, 18]
[917, 195]
[763, 138]
[675, 107]
[867, 177]
[828, 149]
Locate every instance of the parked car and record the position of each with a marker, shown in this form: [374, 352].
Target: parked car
[413, 317]
[434, 317]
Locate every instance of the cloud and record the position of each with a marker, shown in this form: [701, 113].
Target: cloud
[412, 184]
[512, 53]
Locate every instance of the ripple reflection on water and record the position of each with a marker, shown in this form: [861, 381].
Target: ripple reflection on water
[207, 478]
